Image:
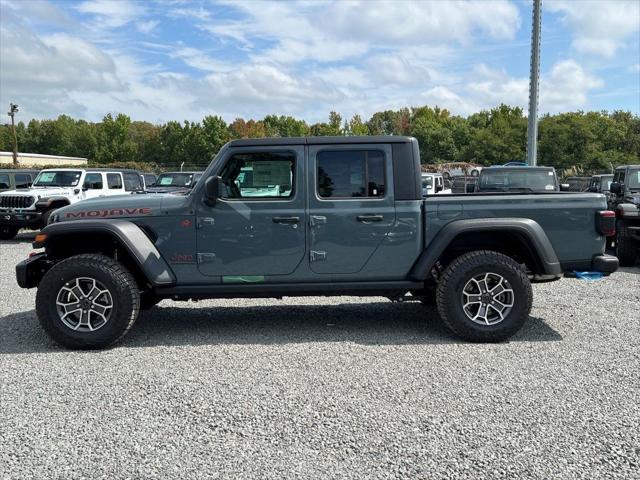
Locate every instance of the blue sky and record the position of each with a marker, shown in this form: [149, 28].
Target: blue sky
[175, 59]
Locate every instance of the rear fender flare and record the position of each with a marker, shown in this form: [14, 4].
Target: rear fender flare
[129, 235]
[526, 228]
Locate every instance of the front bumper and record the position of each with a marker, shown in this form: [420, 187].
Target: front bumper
[605, 264]
[21, 219]
[30, 271]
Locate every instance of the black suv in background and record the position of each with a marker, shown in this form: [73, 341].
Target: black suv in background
[625, 201]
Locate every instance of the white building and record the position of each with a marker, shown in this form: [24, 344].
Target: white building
[39, 160]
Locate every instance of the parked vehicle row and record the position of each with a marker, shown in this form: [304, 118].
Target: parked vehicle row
[28, 197]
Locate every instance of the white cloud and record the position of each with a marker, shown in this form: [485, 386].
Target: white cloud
[566, 87]
[200, 60]
[148, 26]
[599, 28]
[112, 14]
[327, 32]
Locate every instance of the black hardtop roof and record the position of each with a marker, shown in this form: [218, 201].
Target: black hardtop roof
[603, 175]
[258, 142]
[101, 169]
[624, 167]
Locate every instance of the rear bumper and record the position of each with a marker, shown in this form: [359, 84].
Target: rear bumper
[22, 219]
[30, 271]
[605, 264]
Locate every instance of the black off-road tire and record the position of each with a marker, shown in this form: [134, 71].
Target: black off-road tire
[455, 277]
[626, 247]
[121, 285]
[45, 217]
[7, 232]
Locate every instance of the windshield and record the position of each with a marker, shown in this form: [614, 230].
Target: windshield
[57, 178]
[521, 179]
[633, 180]
[174, 180]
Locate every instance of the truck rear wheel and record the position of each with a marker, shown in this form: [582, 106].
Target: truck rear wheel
[7, 232]
[484, 296]
[87, 302]
[625, 245]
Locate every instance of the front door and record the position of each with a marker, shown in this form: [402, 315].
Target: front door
[351, 207]
[94, 185]
[256, 229]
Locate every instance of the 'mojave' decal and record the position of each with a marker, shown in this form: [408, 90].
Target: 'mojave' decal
[114, 212]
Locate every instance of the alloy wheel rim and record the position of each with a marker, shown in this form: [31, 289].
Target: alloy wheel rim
[487, 298]
[84, 304]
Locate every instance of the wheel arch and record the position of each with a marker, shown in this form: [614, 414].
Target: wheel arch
[520, 238]
[119, 239]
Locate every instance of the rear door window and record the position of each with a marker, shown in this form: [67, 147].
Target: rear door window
[114, 181]
[5, 184]
[350, 174]
[93, 181]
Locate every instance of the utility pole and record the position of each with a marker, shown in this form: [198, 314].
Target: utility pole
[532, 128]
[13, 109]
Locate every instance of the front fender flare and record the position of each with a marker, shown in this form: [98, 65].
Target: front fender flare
[128, 234]
[527, 228]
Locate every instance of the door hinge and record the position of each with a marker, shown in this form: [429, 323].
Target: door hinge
[206, 257]
[318, 256]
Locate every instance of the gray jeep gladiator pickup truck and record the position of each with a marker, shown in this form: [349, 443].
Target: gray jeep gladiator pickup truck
[311, 216]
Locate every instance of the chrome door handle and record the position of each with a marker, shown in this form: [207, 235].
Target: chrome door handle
[286, 220]
[369, 218]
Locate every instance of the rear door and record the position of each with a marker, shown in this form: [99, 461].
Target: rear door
[351, 206]
[257, 227]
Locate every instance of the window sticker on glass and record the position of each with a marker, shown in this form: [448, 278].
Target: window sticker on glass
[549, 187]
[165, 181]
[269, 174]
[47, 176]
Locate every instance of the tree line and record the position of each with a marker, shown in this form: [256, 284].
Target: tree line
[589, 142]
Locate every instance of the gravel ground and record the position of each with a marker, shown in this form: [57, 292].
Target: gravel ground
[326, 388]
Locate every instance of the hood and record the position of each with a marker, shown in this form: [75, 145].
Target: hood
[167, 189]
[42, 192]
[119, 206]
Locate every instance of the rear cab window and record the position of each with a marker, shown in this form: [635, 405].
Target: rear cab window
[343, 174]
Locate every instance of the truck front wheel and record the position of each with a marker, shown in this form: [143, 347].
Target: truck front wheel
[87, 302]
[484, 296]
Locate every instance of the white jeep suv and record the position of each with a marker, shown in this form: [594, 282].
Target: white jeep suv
[54, 188]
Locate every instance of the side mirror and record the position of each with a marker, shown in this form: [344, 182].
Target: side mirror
[438, 188]
[84, 188]
[564, 187]
[593, 188]
[616, 187]
[470, 187]
[212, 189]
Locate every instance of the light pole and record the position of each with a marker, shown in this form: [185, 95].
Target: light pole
[532, 127]
[13, 109]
